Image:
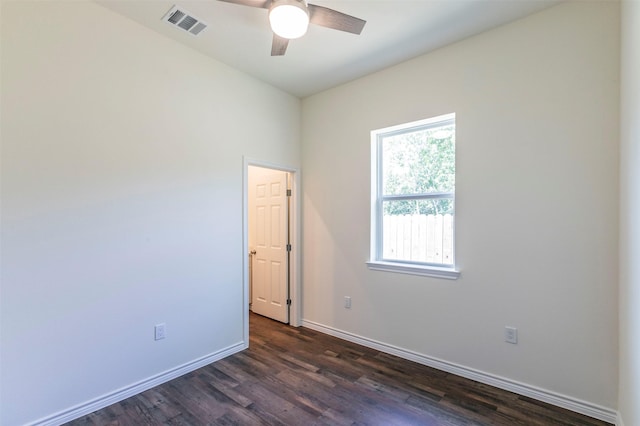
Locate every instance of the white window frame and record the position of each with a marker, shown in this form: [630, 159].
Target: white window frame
[376, 260]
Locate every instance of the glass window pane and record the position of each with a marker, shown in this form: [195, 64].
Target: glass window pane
[421, 161]
[418, 231]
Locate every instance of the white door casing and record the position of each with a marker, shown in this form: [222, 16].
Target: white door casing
[268, 234]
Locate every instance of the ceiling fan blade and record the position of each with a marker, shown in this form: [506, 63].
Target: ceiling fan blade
[279, 45]
[264, 4]
[330, 18]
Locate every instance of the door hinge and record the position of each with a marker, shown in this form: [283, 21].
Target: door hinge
[289, 302]
[288, 193]
[288, 247]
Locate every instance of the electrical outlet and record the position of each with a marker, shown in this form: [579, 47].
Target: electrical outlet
[511, 335]
[347, 302]
[160, 331]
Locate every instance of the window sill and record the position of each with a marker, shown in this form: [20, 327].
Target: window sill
[407, 268]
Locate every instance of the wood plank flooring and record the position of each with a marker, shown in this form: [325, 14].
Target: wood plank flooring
[297, 376]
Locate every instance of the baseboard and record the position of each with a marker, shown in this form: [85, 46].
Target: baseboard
[573, 404]
[136, 388]
[619, 421]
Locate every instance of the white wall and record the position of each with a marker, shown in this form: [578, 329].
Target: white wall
[122, 165]
[629, 390]
[536, 106]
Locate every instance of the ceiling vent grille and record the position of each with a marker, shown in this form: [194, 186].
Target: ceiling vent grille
[178, 17]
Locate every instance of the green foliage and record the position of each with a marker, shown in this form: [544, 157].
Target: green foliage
[419, 162]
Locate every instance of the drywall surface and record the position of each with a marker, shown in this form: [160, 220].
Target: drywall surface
[536, 105]
[122, 168]
[629, 392]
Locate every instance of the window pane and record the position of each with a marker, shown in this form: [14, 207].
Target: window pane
[421, 161]
[418, 231]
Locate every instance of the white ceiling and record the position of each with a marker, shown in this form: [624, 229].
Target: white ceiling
[396, 30]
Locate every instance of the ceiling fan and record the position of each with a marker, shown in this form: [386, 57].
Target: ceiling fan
[289, 20]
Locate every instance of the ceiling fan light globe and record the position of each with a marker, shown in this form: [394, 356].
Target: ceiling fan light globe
[289, 19]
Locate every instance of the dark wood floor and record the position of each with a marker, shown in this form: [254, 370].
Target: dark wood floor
[297, 376]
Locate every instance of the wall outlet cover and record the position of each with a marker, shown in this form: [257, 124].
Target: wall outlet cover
[511, 335]
[160, 331]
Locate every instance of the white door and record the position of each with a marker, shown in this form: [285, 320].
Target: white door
[268, 233]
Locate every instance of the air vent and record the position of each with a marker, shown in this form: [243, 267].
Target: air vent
[180, 18]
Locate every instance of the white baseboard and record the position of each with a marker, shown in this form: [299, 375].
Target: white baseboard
[136, 388]
[619, 421]
[573, 404]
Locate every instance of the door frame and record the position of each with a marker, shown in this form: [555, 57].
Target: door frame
[295, 258]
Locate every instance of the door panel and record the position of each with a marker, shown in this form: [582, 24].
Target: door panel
[268, 224]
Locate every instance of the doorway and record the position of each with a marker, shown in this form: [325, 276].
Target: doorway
[271, 242]
[269, 246]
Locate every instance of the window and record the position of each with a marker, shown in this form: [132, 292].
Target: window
[413, 198]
